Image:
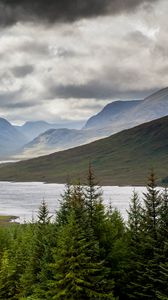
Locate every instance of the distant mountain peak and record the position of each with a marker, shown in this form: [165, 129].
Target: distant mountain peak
[35, 122]
[10, 138]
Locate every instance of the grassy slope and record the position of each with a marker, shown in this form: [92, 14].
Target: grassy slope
[122, 159]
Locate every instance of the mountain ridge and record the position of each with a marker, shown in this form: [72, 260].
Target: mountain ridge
[121, 159]
[33, 129]
[152, 107]
[111, 111]
[114, 117]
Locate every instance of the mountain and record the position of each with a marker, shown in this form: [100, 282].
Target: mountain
[121, 159]
[121, 115]
[153, 107]
[32, 129]
[10, 138]
[111, 113]
[114, 117]
[55, 140]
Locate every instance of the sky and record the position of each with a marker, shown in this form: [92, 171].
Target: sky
[63, 61]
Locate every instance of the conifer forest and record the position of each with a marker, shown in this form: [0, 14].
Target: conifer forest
[87, 250]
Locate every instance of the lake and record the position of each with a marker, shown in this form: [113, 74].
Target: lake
[23, 199]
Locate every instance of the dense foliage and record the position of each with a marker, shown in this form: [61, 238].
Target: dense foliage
[87, 251]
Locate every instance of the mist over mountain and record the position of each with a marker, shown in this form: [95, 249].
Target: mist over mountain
[56, 140]
[31, 129]
[39, 138]
[113, 118]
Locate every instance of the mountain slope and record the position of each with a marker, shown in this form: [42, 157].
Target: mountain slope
[55, 140]
[10, 138]
[61, 139]
[125, 114]
[112, 112]
[153, 107]
[122, 159]
[32, 129]
[115, 117]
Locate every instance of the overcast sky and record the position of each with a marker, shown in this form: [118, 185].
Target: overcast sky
[65, 59]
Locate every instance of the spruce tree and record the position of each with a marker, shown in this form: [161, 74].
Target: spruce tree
[43, 217]
[115, 245]
[77, 273]
[135, 218]
[96, 214]
[152, 201]
[93, 193]
[148, 281]
[164, 215]
[37, 273]
[108, 229]
[65, 205]
[135, 241]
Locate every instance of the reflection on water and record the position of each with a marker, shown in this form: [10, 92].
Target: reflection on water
[23, 199]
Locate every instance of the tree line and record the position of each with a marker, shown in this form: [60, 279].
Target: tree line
[88, 251]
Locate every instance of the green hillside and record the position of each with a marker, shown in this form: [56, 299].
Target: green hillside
[122, 159]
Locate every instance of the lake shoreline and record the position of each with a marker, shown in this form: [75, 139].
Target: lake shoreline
[6, 219]
[64, 183]
[23, 199]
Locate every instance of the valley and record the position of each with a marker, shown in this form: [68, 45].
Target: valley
[38, 138]
[125, 158]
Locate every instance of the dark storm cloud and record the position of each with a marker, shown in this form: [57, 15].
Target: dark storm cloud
[91, 90]
[12, 11]
[97, 90]
[22, 71]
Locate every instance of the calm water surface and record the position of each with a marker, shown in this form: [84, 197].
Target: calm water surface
[23, 199]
